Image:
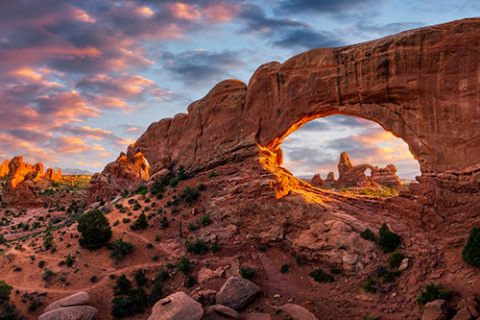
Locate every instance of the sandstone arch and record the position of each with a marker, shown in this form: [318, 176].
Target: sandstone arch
[412, 84]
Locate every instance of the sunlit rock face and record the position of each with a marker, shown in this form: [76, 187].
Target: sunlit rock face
[410, 83]
[21, 180]
[123, 175]
[4, 169]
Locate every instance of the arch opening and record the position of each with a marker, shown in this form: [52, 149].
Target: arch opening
[341, 154]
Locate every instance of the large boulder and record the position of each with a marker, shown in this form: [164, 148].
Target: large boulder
[177, 306]
[237, 293]
[71, 313]
[297, 312]
[79, 298]
[434, 310]
[220, 312]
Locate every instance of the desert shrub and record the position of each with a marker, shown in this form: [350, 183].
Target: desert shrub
[370, 285]
[157, 292]
[125, 306]
[395, 260]
[69, 261]
[300, 260]
[140, 223]
[320, 276]
[5, 290]
[247, 273]
[41, 263]
[47, 274]
[215, 247]
[181, 174]
[137, 206]
[119, 249]
[157, 188]
[434, 292]
[140, 278]
[189, 195]
[95, 230]
[388, 240]
[197, 247]
[142, 190]
[206, 220]
[184, 265]
[2, 239]
[471, 251]
[371, 317]
[189, 282]
[285, 268]
[367, 234]
[122, 286]
[385, 275]
[47, 241]
[9, 312]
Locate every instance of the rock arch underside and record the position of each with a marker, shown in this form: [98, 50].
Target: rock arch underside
[422, 85]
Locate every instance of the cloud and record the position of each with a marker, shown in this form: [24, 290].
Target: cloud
[323, 6]
[316, 147]
[285, 32]
[199, 66]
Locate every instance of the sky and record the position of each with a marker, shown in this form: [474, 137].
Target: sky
[81, 80]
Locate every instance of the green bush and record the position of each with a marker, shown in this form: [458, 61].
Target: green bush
[247, 273]
[395, 260]
[140, 223]
[47, 241]
[142, 190]
[5, 290]
[189, 281]
[388, 240]
[119, 249]
[367, 234]
[184, 265]
[135, 302]
[95, 230]
[197, 247]
[189, 195]
[320, 276]
[122, 286]
[434, 292]
[471, 251]
[285, 268]
[140, 278]
[370, 285]
[206, 220]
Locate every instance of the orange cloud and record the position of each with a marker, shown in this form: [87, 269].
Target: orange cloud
[221, 13]
[185, 11]
[144, 11]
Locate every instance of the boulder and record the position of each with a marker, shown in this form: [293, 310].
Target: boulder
[220, 312]
[256, 316]
[297, 312]
[177, 306]
[463, 314]
[79, 298]
[237, 293]
[71, 313]
[434, 310]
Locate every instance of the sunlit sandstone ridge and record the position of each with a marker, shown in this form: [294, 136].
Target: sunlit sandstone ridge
[411, 83]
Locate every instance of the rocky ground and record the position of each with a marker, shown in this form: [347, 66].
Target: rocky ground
[276, 243]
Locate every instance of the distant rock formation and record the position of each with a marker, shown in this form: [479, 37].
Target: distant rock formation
[4, 169]
[124, 174]
[21, 179]
[354, 176]
[317, 181]
[53, 175]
